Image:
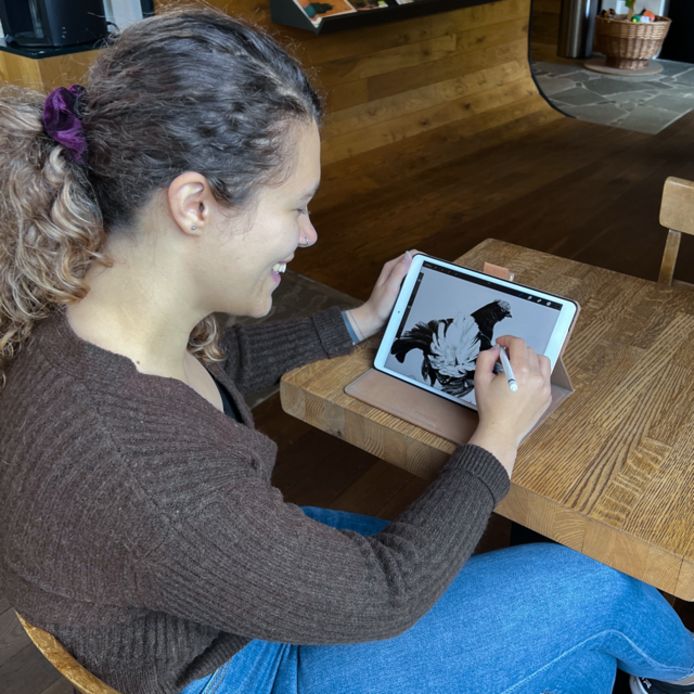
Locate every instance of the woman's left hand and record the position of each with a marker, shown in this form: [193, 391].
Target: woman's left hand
[371, 316]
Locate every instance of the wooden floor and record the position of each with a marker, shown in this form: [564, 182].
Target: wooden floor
[581, 191]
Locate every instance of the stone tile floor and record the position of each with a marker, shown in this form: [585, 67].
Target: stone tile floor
[646, 104]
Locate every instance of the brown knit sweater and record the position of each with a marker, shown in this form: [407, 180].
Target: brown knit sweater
[139, 525]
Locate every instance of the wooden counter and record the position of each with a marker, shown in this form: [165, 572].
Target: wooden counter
[609, 473]
[44, 74]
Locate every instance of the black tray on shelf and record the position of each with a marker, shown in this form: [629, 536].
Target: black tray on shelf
[47, 51]
[287, 12]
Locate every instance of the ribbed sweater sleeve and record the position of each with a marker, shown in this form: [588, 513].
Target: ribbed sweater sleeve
[139, 524]
[248, 563]
[258, 354]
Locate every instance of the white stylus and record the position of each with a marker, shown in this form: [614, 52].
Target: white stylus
[508, 371]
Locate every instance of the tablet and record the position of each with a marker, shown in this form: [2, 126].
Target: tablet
[446, 314]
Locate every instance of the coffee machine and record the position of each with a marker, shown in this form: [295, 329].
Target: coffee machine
[52, 23]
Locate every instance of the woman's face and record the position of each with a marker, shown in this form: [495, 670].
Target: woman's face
[247, 265]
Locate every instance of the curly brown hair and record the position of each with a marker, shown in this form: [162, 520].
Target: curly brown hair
[188, 90]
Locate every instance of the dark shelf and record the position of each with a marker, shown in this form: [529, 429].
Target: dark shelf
[48, 51]
[289, 13]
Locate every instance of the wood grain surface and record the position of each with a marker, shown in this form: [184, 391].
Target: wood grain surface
[466, 70]
[45, 73]
[677, 215]
[544, 32]
[609, 473]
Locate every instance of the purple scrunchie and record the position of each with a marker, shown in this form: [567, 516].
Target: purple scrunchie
[62, 123]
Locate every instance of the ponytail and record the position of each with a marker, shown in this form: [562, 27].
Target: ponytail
[50, 224]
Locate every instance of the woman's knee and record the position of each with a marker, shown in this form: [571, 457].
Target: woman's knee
[568, 575]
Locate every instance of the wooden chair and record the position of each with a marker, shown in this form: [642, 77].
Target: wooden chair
[677, 214]
[80, 678]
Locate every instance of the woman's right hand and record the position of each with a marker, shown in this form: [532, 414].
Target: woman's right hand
[506, 416]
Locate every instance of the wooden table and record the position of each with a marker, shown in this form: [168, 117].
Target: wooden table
[611, 472]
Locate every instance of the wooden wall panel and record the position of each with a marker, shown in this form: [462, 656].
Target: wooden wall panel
[474, 20]
[544, 29]
[406, 85]
[421, 115]
[408, 92]
[459, 63]
[45, 73]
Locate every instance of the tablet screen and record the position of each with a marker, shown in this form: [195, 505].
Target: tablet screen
[446, 315]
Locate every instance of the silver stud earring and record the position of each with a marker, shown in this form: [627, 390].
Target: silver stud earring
[194, 227]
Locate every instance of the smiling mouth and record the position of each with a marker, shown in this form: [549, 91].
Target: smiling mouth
[279, 267]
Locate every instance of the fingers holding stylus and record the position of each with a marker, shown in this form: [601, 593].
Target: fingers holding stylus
[506, 416]
[525, 362]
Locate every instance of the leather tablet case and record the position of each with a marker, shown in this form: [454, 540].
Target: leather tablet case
[433, 413]
[436, 414]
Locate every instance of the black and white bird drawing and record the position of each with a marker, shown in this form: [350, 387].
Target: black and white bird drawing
[450, 346]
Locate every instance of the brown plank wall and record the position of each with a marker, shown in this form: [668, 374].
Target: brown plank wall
[45, 73]
[545, 29]
[441, 85]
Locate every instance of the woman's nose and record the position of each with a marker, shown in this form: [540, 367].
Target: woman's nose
[309, 235]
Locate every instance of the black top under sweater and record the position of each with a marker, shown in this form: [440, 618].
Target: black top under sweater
[230, 409]
[138, 523]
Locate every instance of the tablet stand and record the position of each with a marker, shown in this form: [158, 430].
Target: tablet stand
[443, 417]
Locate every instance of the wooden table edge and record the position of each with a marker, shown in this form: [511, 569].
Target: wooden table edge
[296, 400]
[675, 574]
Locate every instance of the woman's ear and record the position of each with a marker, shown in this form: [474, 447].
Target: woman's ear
[190, 198]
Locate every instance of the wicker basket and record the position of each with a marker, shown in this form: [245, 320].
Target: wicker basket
[629, 45]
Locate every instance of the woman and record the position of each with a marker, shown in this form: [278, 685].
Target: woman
[138, 520]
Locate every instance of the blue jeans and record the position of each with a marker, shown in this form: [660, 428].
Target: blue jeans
[533, 619]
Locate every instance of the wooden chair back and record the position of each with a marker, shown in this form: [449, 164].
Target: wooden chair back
[56, 654]
[677, 214]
